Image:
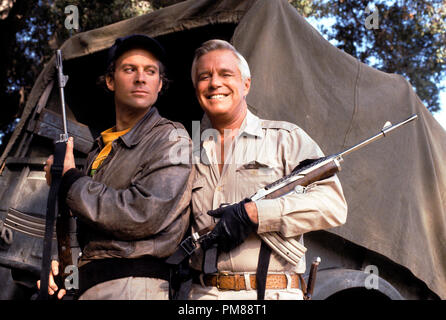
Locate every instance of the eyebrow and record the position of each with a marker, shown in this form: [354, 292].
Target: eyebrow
[227, 70]
[145, 67]
[223, 70]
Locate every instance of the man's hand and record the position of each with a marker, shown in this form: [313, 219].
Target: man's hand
[68, 161]
[251, 210]
[233, 228]
[52, 286]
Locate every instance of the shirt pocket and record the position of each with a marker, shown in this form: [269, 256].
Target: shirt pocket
[256, 174]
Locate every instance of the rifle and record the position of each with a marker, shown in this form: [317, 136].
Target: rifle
[64, 223]
[306, 173]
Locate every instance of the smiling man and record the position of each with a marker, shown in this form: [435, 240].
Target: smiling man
[131, 202]
[247, 154]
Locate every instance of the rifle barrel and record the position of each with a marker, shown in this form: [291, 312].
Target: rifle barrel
[378, 136]
[62, 81]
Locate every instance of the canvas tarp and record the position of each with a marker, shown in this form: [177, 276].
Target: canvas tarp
[395, 188]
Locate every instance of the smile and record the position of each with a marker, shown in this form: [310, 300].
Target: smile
[217, 96]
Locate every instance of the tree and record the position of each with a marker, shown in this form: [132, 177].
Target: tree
[12, 20]
[410, 39]
[32, 30]
[407, 37]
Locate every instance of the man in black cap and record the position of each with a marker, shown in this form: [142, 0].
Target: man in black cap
[132, 201]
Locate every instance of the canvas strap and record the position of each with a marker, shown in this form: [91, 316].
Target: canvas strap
[51, 211]
[262, 270]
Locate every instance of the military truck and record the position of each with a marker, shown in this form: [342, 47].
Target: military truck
[392, 246]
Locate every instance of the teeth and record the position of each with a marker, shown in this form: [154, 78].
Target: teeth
[217, 96]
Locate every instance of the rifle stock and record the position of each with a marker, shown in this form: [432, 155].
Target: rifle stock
[325, 171]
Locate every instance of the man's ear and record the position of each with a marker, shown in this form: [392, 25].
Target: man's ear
[247, 83]
[160, 86]
[110, 82]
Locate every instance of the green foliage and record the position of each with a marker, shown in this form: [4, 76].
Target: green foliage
[42, 30]
[410, 39]
[32, 30]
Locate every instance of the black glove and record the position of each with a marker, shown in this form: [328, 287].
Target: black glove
[232, 229]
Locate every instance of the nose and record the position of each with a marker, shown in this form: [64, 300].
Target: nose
[140, 77]
[215, 81]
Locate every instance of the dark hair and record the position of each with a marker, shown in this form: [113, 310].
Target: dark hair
[134, 41]
[110, 72]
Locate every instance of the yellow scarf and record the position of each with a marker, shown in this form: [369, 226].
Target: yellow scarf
[108, 136]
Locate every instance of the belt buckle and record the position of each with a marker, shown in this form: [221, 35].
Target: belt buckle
[219, 275]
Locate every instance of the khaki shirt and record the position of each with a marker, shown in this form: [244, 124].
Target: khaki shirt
[263, 152]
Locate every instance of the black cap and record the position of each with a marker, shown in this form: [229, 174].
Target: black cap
[124, 44]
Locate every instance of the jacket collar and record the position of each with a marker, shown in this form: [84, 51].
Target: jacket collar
[134, 136]
[141, 128]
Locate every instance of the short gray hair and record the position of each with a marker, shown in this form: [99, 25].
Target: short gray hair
[217, 44]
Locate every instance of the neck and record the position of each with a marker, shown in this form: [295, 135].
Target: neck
[232, 123]
[228, 127]
[127, 118]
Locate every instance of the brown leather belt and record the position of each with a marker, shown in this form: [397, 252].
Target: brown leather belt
[237, 281]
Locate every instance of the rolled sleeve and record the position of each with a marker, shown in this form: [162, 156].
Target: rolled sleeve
[269, 214]
[322, 206]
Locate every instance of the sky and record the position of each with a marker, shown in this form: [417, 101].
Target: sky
[440, 116]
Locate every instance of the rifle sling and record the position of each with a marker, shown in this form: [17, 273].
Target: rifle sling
[262, 270]
[52, 208]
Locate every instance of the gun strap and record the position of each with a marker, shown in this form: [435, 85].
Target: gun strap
[262, 270]
[180, 281]
[51, 211]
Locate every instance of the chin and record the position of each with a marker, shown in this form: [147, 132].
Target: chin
[218, 110]
[141, 104]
